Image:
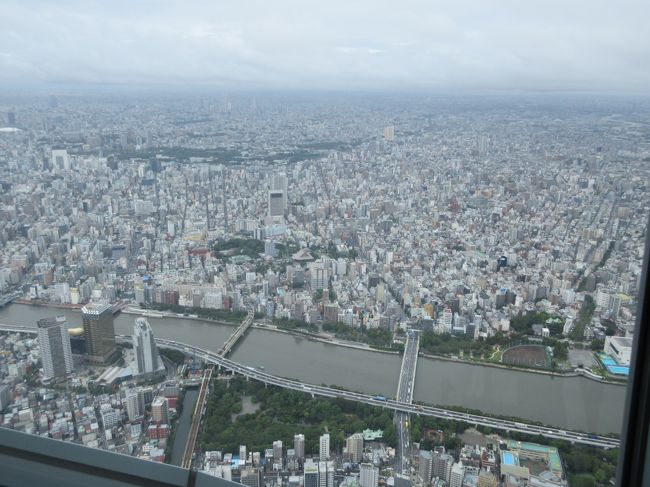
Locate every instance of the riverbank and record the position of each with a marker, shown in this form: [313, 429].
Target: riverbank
[147, 313]
[321, 339]
[573, 373]
[44, 304]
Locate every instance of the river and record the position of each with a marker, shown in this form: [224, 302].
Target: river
[183, 427]
[565, 402]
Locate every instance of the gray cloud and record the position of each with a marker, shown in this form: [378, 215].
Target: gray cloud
[461, 44]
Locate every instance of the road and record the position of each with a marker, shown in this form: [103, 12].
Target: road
[405, 395]
[395, 405]
[474, 419]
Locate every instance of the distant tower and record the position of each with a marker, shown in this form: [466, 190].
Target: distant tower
[11, 119]
[99, 331]
[389, 133]
[144, 347]
[280, 182]
[225, 201]
[324, 447]
[276, 204]
[54, 345]
[482, 145]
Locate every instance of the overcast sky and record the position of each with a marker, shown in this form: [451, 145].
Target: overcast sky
[474, 45]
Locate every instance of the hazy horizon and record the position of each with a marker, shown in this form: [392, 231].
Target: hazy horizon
[453, 47]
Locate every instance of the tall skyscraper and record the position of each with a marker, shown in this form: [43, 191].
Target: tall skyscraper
[99, 330]
[280, 182]
[369, 475]
[389, 133]
[482, 145]
[276, 203]
[54, 344]
[11, 119]
[144, 347]
[354, 445]
[324, 447]
[299, 446]
[160, 410]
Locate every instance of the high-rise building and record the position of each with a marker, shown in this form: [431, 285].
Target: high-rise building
[242, 453]
[5, 397]
[99, 331]
[11, 119]
[160, 410]
[324, 447]
[60, 159]
[354, 445]
[442, 464]
[134, 404]
[482, 145]
[311, 473]
[319, 275]
[389, 133]
[457, 475]
[280, 182]
[277, 453]
[54, 344]
[110, 418]
[326, 474]
[299, 446]
[144, 347]
[369, 475]
[276, 203]
[426, 466]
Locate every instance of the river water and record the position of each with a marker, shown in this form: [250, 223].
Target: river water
[183, 428]
[565, 402]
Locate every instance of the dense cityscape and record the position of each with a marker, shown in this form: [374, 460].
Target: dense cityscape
[503, 233]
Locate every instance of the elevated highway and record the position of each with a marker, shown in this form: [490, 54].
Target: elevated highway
[321, 391]
[395, 405]
[405, 389]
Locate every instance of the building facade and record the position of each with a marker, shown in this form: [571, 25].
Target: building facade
[54, 344]
[99, 331]
[144, 347]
